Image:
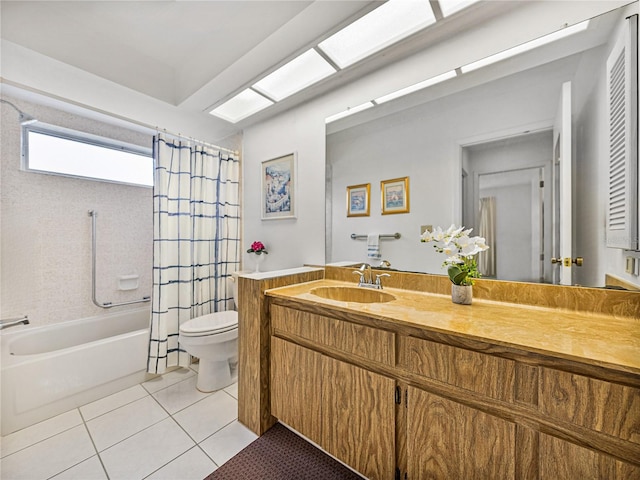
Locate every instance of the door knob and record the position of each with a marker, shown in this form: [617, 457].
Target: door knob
[578, 261]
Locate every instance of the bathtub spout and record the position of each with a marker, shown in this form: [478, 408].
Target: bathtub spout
[11, 322]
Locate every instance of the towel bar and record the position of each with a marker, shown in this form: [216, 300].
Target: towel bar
[385, 235]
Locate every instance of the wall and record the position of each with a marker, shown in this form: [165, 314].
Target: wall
[46, 230]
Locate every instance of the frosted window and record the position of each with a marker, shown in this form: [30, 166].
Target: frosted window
[58, 151]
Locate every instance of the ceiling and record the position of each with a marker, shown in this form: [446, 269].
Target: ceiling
[194, 55]
[191, 55]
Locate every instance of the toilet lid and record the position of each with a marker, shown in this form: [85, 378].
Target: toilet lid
[218, 322]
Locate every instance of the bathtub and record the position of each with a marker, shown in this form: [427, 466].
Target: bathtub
[52, 369]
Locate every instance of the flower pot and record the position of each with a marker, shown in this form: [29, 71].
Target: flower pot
[258, 260]
[461, 294]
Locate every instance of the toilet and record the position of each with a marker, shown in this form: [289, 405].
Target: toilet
[213, 338]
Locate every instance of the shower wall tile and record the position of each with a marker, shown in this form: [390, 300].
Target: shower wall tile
[46, 230]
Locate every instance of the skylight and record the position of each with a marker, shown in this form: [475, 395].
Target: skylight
[449, 7]
[299, 73]
[244, 104]
[538, 42]
[387, 24]
[416, 87]
[348, 111]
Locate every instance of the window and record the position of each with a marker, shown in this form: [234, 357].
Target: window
[50, 149]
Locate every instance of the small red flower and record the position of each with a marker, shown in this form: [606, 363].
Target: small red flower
[258, 248]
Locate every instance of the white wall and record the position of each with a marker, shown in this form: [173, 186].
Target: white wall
[46, 230]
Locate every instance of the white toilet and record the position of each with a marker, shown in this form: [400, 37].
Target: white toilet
[213, 338]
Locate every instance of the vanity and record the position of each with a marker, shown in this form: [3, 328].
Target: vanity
[526, 383]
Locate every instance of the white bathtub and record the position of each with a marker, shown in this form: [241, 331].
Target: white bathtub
[52, 369]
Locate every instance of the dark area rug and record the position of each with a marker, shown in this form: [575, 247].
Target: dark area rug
[280, 454]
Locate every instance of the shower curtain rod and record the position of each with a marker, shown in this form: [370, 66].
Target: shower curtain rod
[202, 142]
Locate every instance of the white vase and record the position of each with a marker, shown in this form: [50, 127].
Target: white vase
[258, 260]
[461, 294]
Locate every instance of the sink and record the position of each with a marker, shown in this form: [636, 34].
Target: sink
[353, 294]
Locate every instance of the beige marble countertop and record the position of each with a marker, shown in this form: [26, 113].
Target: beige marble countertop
[593, 339]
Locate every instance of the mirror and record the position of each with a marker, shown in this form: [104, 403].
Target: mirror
[491, 132]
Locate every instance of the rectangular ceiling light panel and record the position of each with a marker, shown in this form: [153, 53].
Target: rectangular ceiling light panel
[301, 72]
[525, 47]
[241, 106]
[418, 86]
[348, 111]
[387, 24]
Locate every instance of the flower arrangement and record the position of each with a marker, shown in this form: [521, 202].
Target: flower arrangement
[460, 249]
[258, 248]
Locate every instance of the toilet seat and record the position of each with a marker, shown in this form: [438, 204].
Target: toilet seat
[210, 324]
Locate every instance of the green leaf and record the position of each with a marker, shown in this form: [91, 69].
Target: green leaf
[456, 274]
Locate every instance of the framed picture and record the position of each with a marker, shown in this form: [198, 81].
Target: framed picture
[279, 188]
[395, 195]
[358, 200]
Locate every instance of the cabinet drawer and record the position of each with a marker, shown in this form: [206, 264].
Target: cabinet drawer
[366, 342]
[477, 372]
[595, 404]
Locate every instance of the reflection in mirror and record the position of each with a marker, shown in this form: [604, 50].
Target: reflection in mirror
[499, 132]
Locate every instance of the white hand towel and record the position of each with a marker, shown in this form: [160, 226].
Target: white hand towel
[373, 246]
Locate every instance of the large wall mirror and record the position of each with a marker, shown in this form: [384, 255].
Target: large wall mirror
[491, 143]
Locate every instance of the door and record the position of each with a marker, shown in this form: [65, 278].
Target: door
[561, 199]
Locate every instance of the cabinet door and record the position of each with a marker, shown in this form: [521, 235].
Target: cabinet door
[561, 460]
[295, 388]
[446, 439]
[359, 418]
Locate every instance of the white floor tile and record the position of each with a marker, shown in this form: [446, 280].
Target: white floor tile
[112, 427]
[117, 400]
[207, 416]
[180, 395]
[90, 469]
[167, 379]
[147, 451]
[224, 444]
[49, 457]
[232, 390]
[193, 465]
[38, 432]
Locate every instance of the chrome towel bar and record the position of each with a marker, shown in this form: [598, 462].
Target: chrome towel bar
[385, 235]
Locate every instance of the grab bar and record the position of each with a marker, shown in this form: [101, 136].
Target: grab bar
[93, 214]
[11, 322]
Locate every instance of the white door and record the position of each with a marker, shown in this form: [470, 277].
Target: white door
[561, 198]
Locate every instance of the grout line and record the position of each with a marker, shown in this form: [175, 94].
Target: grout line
[104, 468]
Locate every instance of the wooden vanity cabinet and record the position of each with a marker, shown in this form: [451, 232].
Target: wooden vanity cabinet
[347, 410]
[434, 407]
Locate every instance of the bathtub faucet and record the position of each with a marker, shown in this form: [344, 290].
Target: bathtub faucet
[11, 322]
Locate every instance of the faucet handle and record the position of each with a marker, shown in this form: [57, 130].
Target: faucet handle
[379, 276]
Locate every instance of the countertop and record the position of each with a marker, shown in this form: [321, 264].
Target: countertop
[593, 339]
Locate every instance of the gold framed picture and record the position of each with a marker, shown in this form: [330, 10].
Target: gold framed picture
[395, 195]
[358, 200]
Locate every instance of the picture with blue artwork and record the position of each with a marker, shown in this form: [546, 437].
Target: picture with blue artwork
[278, 187]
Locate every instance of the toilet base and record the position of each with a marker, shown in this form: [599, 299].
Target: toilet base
[215, 375]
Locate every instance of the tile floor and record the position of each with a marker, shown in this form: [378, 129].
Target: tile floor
[161, 429]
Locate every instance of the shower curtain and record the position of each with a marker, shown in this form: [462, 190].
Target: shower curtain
[196, 241]
[487, 230]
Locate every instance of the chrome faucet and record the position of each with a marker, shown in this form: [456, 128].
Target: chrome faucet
[11, 322]
[366, 277]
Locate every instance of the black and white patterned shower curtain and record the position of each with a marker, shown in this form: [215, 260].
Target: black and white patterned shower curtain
[196, 241]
